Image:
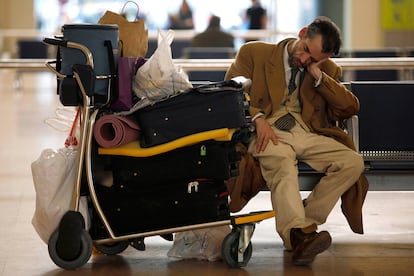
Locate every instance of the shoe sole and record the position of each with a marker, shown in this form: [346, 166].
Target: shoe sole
[317, 246]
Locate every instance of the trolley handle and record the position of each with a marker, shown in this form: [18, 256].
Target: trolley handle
[69, 44]
[49, 65]
[56, 42]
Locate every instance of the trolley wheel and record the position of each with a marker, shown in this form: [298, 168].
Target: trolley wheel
[230, 250]
[78, 261]
[112, 248]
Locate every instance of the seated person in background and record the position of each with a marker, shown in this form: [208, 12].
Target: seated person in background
[213, 36]
[294, 117]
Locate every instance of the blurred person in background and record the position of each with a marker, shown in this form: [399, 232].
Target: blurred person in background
[257, 17]
[213, 36]
[183, 20]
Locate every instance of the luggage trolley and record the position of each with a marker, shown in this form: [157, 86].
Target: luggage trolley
[71, 245]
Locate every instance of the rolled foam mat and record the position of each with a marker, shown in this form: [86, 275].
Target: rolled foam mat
[115, 130]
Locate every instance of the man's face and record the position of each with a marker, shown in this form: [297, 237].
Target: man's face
[306, 51]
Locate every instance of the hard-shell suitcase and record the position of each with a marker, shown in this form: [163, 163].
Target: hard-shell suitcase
[209, 159]
[134, 208]
[192, 112]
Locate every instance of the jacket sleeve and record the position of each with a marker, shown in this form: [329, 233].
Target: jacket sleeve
[243, 66]
[342, 103]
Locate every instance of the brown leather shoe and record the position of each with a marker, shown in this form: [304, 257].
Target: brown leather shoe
[307, 245]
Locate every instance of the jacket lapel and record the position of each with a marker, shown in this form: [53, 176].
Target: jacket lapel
[275, 67]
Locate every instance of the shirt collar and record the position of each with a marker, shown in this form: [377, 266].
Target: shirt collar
[286, 63]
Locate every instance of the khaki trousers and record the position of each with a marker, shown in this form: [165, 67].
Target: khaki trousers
[341, 165]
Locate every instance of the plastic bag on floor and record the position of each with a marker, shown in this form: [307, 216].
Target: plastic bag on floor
[201, 244]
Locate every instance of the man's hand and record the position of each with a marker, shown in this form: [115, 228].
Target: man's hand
[314, 70]
[264, 134]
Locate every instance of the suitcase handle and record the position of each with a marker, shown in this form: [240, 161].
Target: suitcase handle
[237, 83]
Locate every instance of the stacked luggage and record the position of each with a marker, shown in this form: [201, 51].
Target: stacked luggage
[186, 185]
[210, 106]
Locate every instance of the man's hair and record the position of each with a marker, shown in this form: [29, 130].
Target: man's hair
[214, 22]
[331, 35]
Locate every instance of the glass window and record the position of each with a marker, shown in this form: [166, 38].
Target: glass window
[155, 12]
[284, 16]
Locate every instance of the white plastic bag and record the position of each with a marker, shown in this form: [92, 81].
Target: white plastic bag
[159, 78]
[202, 244]
[54, 179]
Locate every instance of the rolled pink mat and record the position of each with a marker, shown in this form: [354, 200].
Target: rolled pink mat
[112, 131]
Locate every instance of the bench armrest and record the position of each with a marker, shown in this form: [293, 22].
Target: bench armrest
[352, 128]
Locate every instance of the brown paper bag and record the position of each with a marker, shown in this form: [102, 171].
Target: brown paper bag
[133, 35]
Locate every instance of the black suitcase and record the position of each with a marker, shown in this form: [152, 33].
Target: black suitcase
[198, 110]
[135, 208]
[209, 159]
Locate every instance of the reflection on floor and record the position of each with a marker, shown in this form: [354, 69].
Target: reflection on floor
[386, 248]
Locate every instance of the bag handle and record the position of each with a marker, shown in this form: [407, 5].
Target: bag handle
[120, 48]
[132, 2]
[111, 61]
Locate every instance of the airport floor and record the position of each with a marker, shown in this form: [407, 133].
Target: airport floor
[386, 248]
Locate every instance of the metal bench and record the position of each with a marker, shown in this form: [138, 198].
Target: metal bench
[385, 134]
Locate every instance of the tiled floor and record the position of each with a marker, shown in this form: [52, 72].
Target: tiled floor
[387, 248]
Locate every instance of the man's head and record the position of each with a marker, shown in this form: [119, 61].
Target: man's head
[331, 35]
[319, 40]
[214, 22]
